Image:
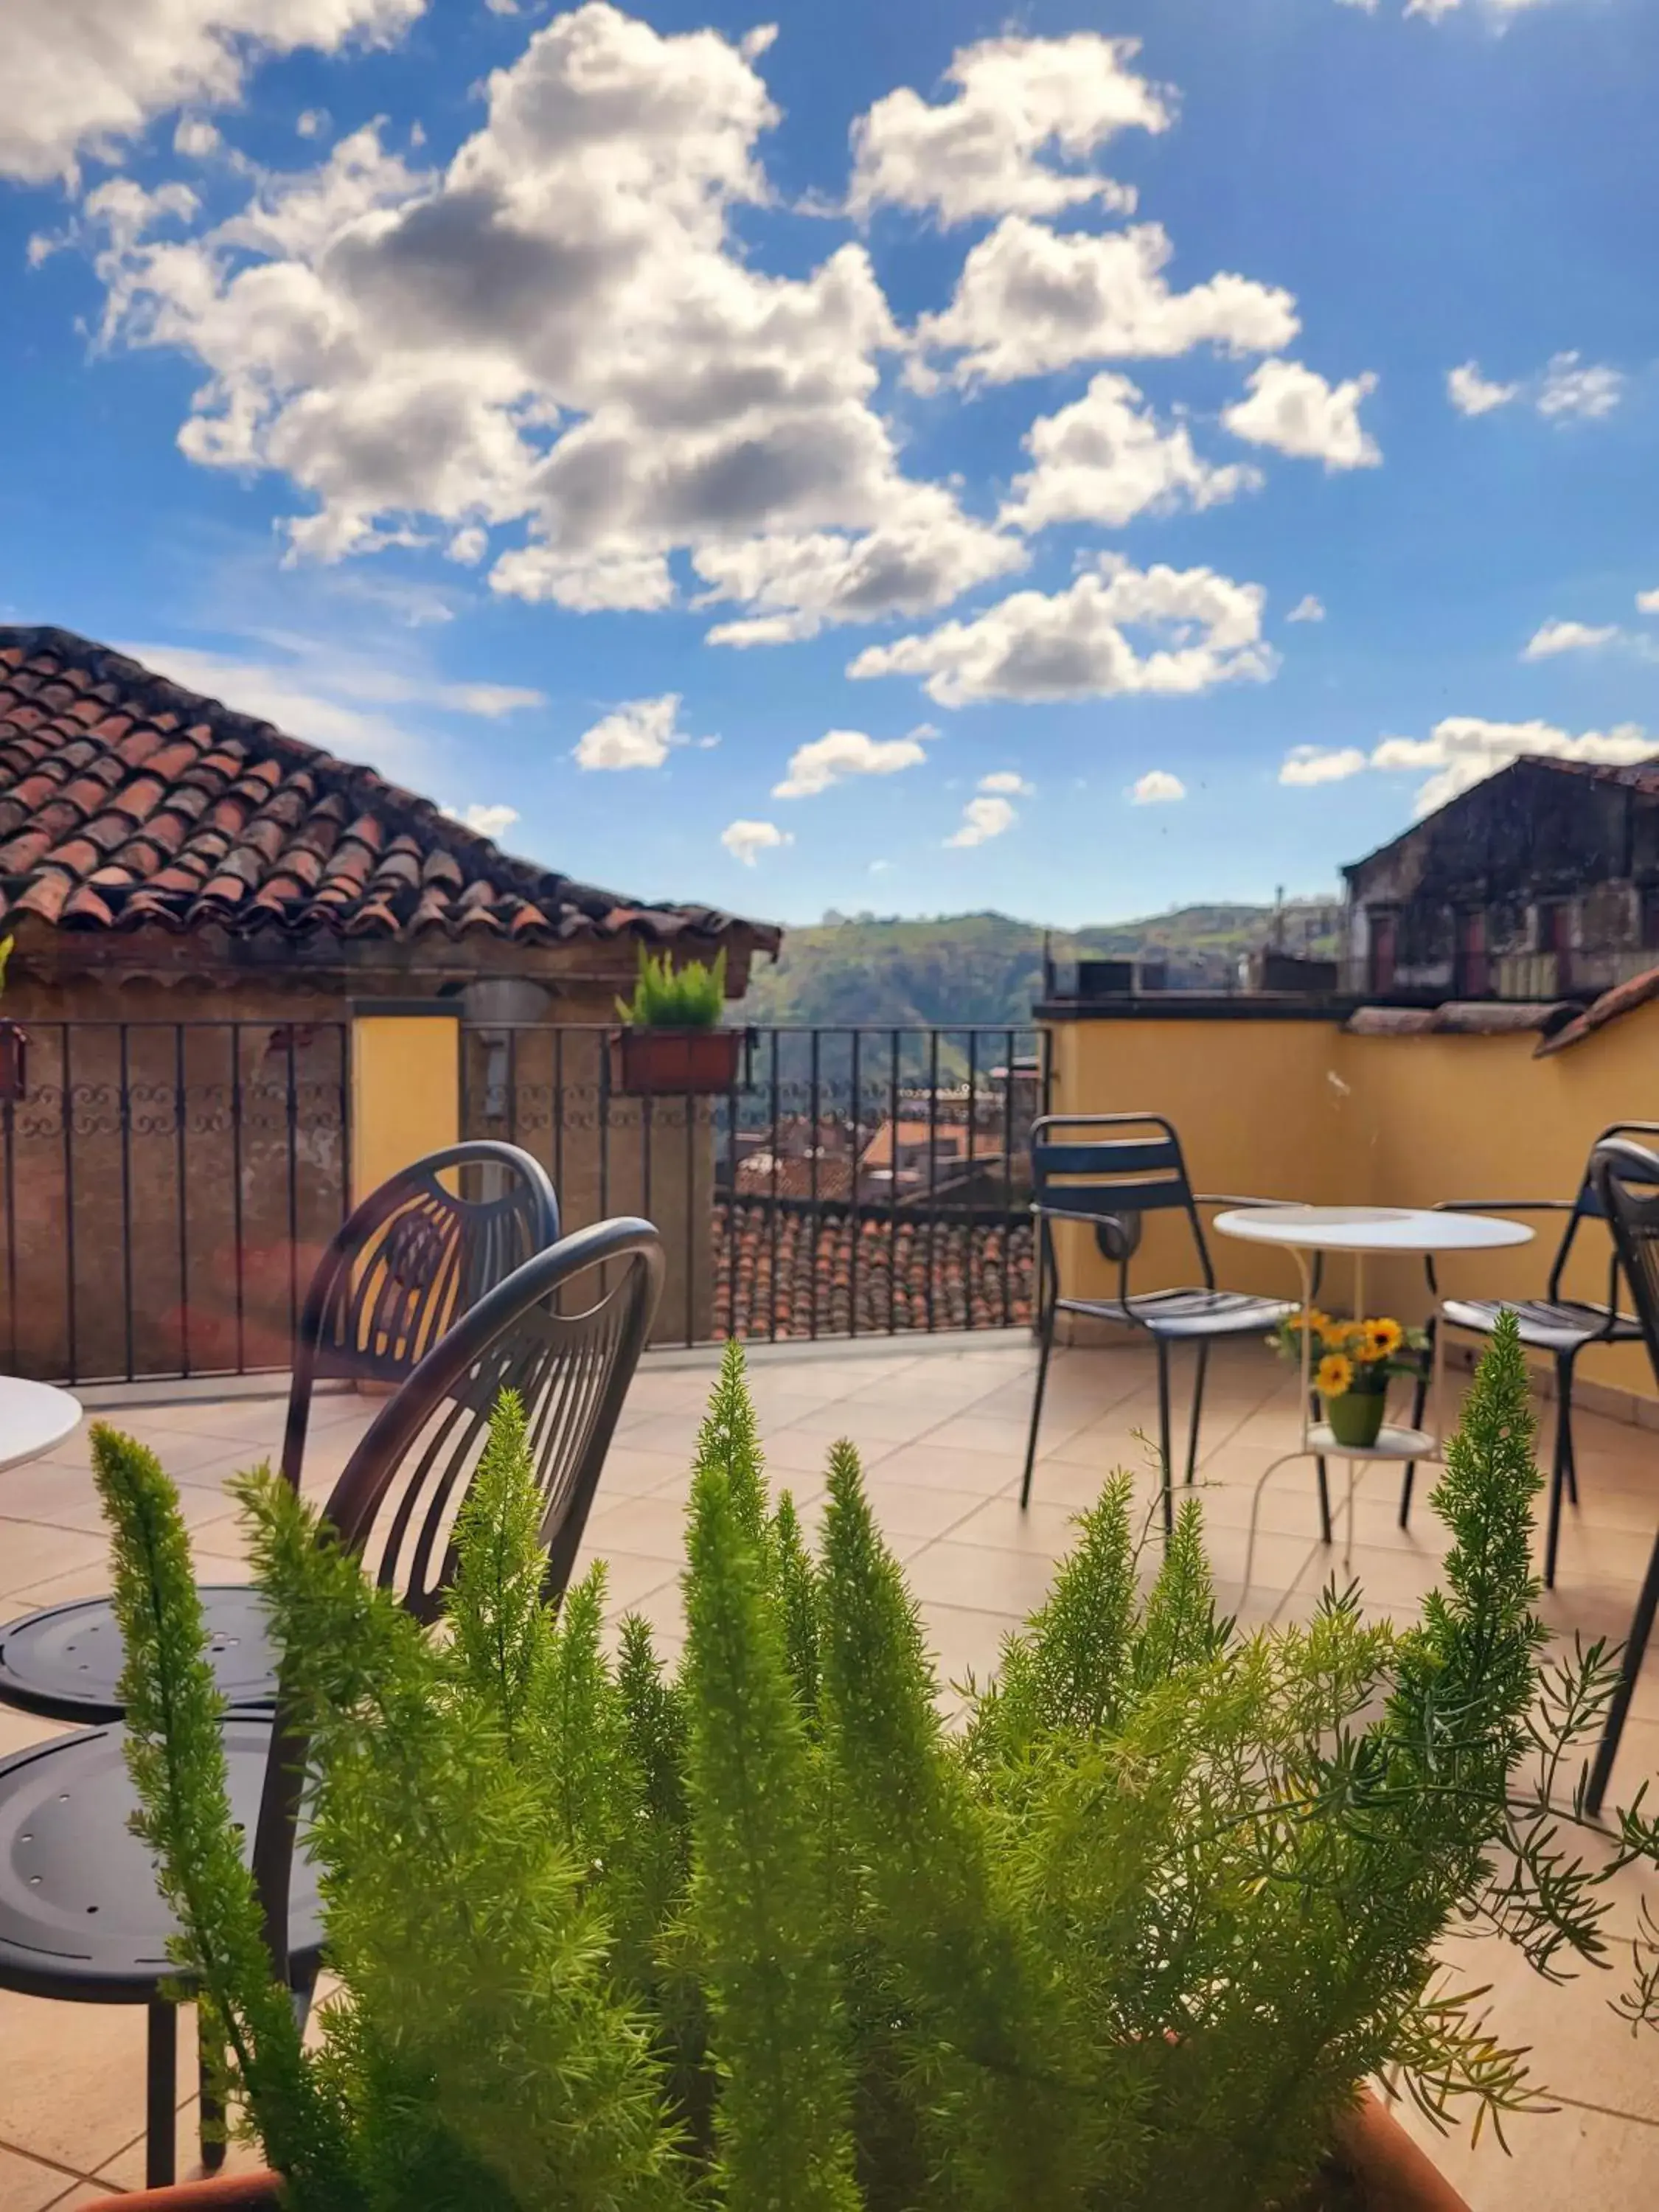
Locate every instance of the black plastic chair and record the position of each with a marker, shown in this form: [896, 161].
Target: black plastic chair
[81, 1917]
[1108, 1171]
[1626, 1179]
[1560, 1326]
[397, 1273]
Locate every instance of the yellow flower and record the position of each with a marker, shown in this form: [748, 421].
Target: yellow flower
[1383, 1339]
[1335, 1335]
[1333, 1376]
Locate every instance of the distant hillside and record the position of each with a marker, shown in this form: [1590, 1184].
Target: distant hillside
[989, 968]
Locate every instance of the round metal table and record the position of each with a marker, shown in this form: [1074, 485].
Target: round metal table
[1361, 1231]
[34, 1419]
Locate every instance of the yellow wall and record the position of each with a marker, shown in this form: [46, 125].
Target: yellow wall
[1297, 1109]
[406, 1092]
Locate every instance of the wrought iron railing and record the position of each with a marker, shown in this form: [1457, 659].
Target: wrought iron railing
[852, 1181]
[166, 1188]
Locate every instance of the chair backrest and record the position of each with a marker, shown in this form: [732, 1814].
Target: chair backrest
[1110, 1169]
[408, 1263]
[1626, 1179]
[1590, 1205]
[397, 1500]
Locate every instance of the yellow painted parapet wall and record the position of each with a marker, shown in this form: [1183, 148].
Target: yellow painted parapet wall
[1295, 1108]
[405, 1087]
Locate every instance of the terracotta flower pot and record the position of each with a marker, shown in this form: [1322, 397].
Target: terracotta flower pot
[1393, 2174]
[647, 1063]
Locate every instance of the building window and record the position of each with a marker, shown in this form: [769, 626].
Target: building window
[1650, 917]
[1552, 926]
[1473, 972]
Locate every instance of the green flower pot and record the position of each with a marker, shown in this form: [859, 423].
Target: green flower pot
[1356, 1417]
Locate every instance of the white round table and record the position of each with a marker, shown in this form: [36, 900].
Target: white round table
[35, 1418]
[1362, 1230]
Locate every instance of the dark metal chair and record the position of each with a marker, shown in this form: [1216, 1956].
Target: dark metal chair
[1108, 1171]
[400, 1270]
[1627, 1180]
[81, 1917]
[1563, 1327]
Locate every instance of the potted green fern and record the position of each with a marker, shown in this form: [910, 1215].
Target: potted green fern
[671, 1040]
[761, 1935]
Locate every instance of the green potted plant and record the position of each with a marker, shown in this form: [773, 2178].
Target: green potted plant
[671, 1040]
[1350, 1365]
[763, 1933]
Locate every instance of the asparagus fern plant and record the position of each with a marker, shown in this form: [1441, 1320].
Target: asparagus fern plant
[760, 1934]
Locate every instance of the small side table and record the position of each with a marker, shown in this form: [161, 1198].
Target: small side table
[1361, 1230]
[34, 1419]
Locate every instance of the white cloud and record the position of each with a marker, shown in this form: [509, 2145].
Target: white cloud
[493, 700]
[841, 753]
[1020, 108]
[468, 546]
[1007, 783]
[1307, 608]
[311, 122]
[1105, 458]
[85, 77]
[1157, 787]
[1463, 749]
[982, 819]
[557, 331]
[925, 555]
[745, 839]
[1307, 764]
[1554, 637]
[640, 733]
[196, 138]
[1471, 393]
[306, 699]
[1293, 409]
[1030, 299]
[488, 821]
[1648, 602]
[1206, 630]
[1572, 389]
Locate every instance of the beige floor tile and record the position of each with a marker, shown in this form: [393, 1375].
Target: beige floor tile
[632, 1473]
[964, 1643]
[1569, 2160]
[25, 2185]
[72, 2089]
[628, 1578]
[796, 1456]
[30, 1553]
[930, 1466]
[968, 1432]
[665, 1608]
[651, 1527]
[907, 1514]
[882, 1421]
[983, 1581]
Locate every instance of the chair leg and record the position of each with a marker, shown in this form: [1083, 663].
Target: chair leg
[1636, 1645]
[1564, 1384]
[211, 2125]
[1559, 1471]
[1324, 1501]
[1198, 1410]
[160, 2093]
[1419, 1401]
[1046, 1344]
[1165, 1472]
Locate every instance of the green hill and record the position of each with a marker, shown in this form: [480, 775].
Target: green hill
[989, 967]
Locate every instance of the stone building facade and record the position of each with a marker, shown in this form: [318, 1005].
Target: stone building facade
[1541, 884]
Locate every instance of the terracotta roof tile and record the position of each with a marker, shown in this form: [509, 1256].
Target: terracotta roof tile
[245, 827]
[790, 1271]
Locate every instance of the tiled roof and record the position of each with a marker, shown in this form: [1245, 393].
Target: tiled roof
[127, 801]
[786, 1272]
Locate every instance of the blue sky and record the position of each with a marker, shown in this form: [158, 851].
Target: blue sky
[917, 457]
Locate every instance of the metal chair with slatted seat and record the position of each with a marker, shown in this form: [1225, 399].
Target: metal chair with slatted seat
[1627, 1180]
[1107, 1171]
[398, 1273]
[1562, 1327]
[81, 1917]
